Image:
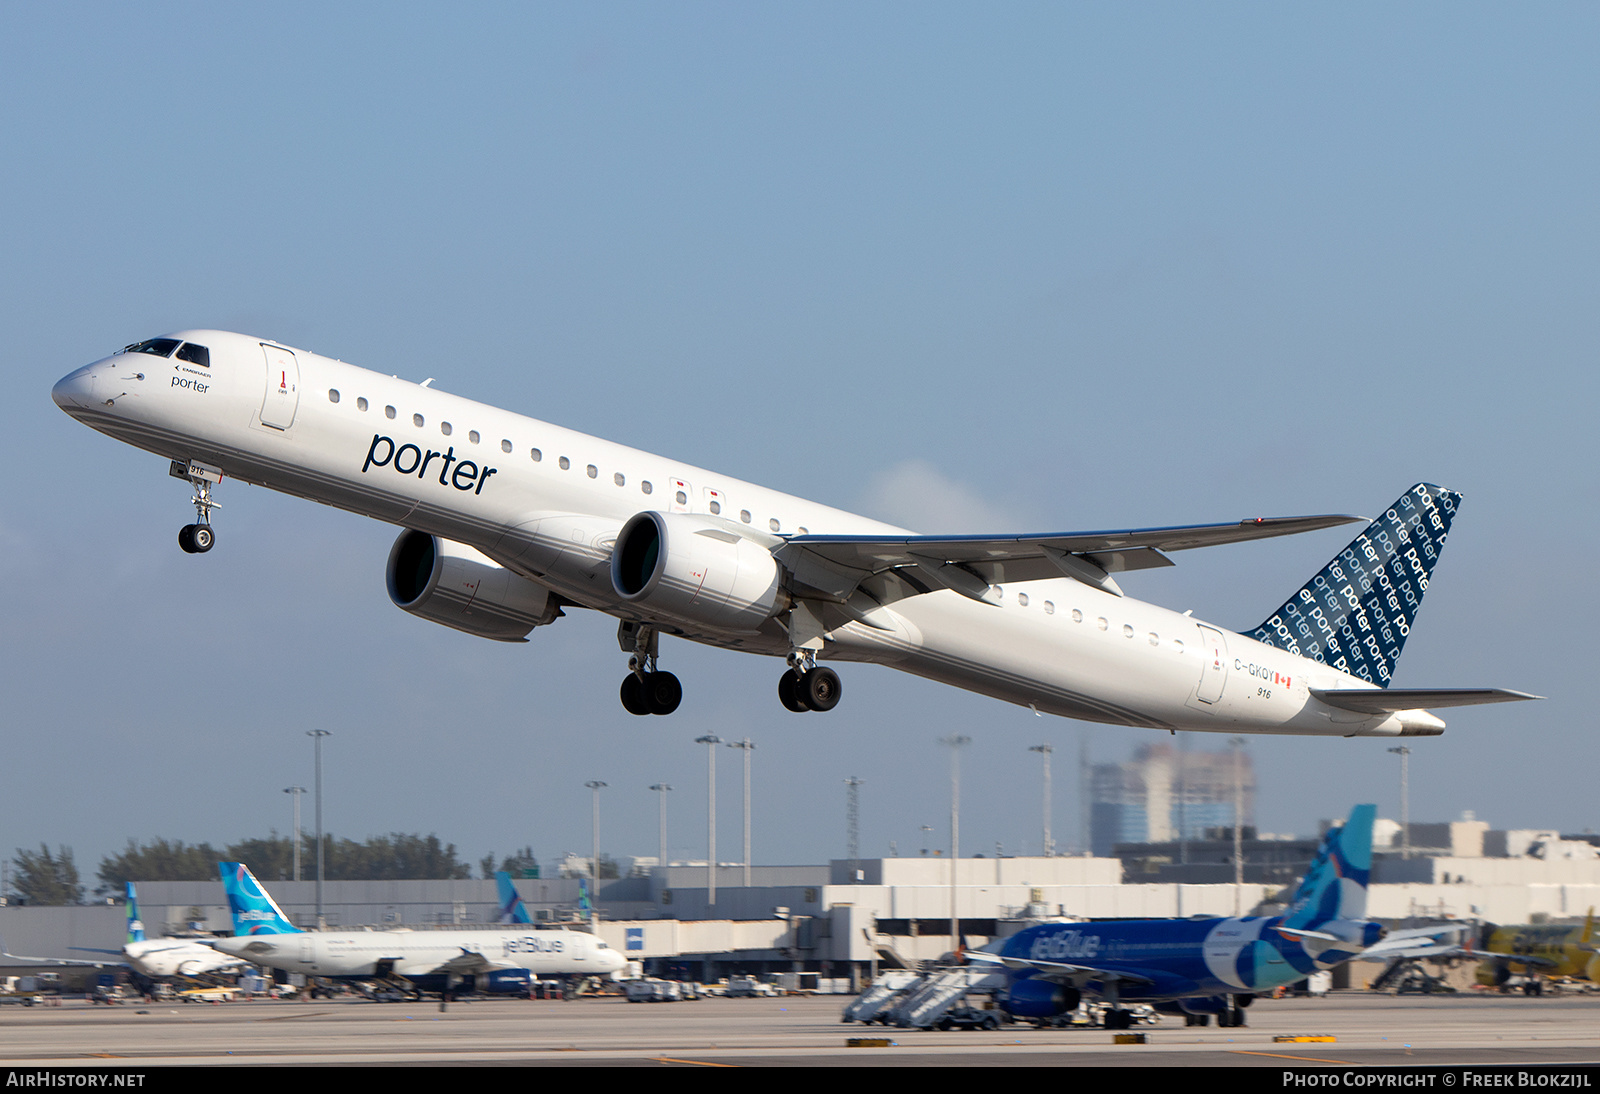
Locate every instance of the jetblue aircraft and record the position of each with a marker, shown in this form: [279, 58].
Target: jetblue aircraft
[509, 521]
[1201, 967]
[429, 961]
[163, 958]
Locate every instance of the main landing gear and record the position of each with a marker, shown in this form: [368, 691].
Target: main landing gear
[646, 690]
[807, 685]
[198, 538]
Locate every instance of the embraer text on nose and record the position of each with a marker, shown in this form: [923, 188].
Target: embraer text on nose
[408, 459]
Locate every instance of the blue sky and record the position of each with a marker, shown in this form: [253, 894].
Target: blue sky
[1048, 266]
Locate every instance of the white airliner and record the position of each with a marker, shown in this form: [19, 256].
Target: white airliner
[432, 961]
[508, 520]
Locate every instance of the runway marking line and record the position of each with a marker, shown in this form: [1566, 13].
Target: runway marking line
[696, 1063]
[1286, 1056]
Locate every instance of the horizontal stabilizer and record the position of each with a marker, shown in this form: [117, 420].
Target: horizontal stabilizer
[1392, 700]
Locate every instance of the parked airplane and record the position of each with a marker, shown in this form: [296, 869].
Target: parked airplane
[1201, 967]
[164, 958]
[429, 961]
[1538, 950]
[509, 520]
[512, 910]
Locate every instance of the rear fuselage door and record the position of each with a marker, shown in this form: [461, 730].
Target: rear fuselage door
[1215, 672]
[282, 396]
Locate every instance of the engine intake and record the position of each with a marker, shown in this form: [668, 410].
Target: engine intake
[687, 568]
[453, 584]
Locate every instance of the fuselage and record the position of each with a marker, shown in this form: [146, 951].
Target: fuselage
[417, 955]
[1159, 960]
[547, 503]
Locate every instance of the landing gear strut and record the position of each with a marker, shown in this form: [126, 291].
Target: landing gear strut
[645, 690]
[807, 685]
[198, 538]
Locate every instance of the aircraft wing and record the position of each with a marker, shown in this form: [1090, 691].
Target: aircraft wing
[1059, 970]
[468, 962]
[1390, 700]
[835, 565]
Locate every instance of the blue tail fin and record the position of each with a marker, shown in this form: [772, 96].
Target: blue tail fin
[1355, 615]
[254, 912]
[512, 910]
[1335, 887]
[135, 924]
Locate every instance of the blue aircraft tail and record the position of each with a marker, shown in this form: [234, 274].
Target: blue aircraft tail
[512, 910]
[1355, 614]
[1335, 887]
[135, 924]
[254, 912]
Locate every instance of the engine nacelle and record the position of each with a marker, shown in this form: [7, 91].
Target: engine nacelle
[686, 567]
[1034, 998]
[454, 584]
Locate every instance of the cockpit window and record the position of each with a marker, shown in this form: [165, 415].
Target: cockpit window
[195, 355]
[159, 347]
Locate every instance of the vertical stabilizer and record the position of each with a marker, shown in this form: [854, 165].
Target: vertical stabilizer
[1335, 887]
[512, 910]
[1355, 614]
[135, 924]
[254, 912]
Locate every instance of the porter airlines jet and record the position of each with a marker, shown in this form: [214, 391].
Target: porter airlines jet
[508, 521]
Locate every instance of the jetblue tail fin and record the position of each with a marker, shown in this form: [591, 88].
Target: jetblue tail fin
[254, 912]
[1355, 614]
[135, 924]
[512, 910]
[1335, 887]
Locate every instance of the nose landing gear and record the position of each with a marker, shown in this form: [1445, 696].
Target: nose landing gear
[198, 538]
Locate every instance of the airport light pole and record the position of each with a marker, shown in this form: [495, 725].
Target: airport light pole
[955, 742]
[595, 786]
[297, 791]
[317, 735]
[711, 741]
[852, 824]
[1049, 843]
[661, 789]
[748, 748]
[1238, 824]
[1405, 800]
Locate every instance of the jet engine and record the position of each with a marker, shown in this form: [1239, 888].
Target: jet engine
[685, 567]
[454, 584]
[1034, 998]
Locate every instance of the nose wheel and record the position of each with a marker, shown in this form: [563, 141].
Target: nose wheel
[199, 537]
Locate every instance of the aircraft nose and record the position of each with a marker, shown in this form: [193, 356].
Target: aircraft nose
[75, 389]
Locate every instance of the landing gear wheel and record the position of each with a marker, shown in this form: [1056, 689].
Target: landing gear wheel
[789, 692]
[633, 700]
[662, 692]
[820, 689]
[186, 539]
[202, 537]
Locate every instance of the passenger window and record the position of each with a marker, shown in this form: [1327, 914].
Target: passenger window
[618, 479]
[683, 499]
[564, 463]
[536, 454]
[505, 446]
[744, 515]
[333, 395]
[1022, 598]
[472, 435]
[716, 507]
[361, 403]
[773, 524]
[444, 427]
[594, 472]
[1177, 644]
[1127, 631]
[388, 412]
[1103, 624]
[195, 355]
[1155, 639]
[1049, 607]
[804, 531]
[645, 487]
[1077, 616]
[416, 420]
